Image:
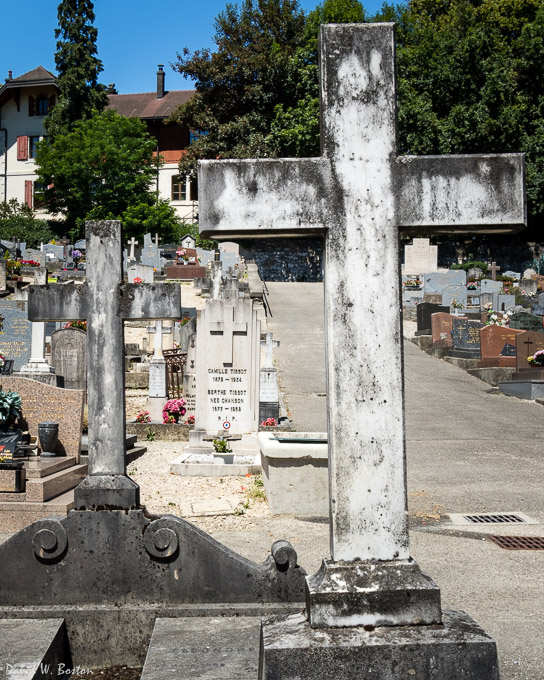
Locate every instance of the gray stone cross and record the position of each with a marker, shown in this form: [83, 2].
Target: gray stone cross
[105, 301]
[359, 194]
[494, 269]
[157, 239]
[133, 242]
[269, 344]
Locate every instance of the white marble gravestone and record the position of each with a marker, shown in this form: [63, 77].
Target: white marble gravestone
[420, 257]
[360, 193]
[158, 392]
[227, 367]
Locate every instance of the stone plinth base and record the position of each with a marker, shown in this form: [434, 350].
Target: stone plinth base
[155, 406]
[456, 650]
[523, 389]
[41, 376]
[365, 593]
[185, 272]
[107, 492]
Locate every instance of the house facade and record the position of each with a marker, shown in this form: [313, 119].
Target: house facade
[24, 103]
[154, 108]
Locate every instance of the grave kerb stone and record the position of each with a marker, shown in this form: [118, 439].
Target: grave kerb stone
[358, 193]
[105, 301]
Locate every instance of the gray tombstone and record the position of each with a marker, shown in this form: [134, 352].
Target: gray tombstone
[489, 286]
[474, 273]
[136, 270]
[35, 255]
[15, 332]
[486, 299]
[457, 293]
[541, 299]
[513, 275]
[505, 302]
[68, 357]
[53, 252]
[150, 253]
[435, 282]
[3, 274]
[524, 321]
[529, 286]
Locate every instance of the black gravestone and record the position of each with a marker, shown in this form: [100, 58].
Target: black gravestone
[524, 321]
[508, 350]
[465, 338]
[424, 311]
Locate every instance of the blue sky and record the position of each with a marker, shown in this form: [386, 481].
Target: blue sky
[133, 37]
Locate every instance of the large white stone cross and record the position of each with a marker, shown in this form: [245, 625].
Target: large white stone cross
[133, 242]
[359, 194]
[228, 327]
[105, 301]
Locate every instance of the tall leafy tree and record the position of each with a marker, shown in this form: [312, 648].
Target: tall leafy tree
[77, 66]
[99, 169]
[241, 81]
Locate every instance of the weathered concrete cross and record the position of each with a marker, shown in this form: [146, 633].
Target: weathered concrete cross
[105, 301]
[269, 345]
[359, 194]
[494, 269]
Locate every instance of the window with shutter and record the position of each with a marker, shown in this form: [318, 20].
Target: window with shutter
[22, 148]
[31, 106]
[28, 192]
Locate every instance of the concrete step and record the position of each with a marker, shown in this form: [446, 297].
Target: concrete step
[134, 453]
[42, 489]
[32, 649]
[130, 440]
[37, 467]
[203, 648]
[17, 514]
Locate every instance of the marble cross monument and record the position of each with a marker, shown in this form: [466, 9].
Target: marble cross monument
[105, 301]
[359, 194]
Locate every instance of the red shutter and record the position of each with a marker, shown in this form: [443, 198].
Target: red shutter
[22, 148]
[31, 106]
[52, 100]
[28, 192]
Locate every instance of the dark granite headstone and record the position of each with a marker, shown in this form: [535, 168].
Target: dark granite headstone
[465, 336]
[15, 332]
[424, 311]
[524, 321]
[68, 357]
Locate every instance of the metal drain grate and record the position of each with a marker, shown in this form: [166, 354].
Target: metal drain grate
[494, 519]
[518, 542]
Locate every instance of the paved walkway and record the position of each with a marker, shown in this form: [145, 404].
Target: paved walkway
[468, 451]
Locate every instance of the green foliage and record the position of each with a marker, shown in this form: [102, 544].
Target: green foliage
[240, 83]
[99, 169]
[183, 228]
[18, 221]
[144, 218]
[10, 407]
[77, 67]
[221, 445]
[471, 264]
[150, 434]
[471, 81]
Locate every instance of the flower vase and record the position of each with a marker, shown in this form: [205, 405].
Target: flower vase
[48, 434]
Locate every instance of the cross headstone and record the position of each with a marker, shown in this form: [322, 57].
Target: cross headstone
[105, 301]
[268, 343]
[359, 194]
[157, 240]
[494, 269]
[133, 242]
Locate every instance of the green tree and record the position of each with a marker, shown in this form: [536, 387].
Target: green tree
[145, 218]
[471, 81]
[99, 169]
[77, 67]
[239, 84]
[17, 221]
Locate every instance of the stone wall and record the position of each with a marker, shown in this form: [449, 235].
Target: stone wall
[286, 259]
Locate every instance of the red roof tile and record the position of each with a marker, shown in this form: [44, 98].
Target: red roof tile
[146, 104]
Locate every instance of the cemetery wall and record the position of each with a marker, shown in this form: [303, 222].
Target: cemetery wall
[286, 259]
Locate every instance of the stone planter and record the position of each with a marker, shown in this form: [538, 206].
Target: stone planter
[48, 434]
[295, 473]
[12, 478]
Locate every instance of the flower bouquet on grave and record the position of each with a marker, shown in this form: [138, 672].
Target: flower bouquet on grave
[537, 359]
[137, 279]
[2, 360]
[82, 325]
[190, 420]
[143, 417]
[472, 285]
[269, 422]
[412, 283]
[173, 410]
[493, 319]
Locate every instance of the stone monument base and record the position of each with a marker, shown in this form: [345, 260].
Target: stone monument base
[457, 649]
[41, 376]
[523, 389]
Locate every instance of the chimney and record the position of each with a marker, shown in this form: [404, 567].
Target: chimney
[10, 76]
[160, 82]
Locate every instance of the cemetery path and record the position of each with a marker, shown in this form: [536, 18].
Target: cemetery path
[468, 451]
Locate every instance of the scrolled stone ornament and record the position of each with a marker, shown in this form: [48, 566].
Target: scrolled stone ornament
[284, 555]
[161, 539]
[50, 539]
